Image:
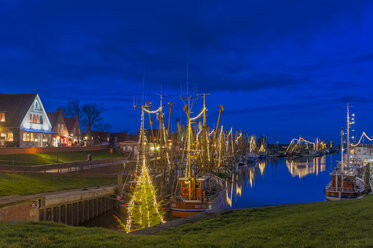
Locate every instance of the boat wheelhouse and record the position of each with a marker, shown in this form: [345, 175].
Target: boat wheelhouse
[196, 195]
[344, 185]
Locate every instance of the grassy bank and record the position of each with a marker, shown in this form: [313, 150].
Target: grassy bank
[24, 184]
[328, 224]
[54, 157]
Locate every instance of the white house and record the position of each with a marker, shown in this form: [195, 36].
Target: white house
[23, 121]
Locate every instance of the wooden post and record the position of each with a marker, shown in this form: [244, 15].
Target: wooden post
[120, 181]
[59, 214]
[367, 188]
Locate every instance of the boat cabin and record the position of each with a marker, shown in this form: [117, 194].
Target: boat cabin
[192, 188]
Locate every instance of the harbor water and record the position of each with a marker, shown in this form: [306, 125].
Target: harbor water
[263, 183]
[279, 181]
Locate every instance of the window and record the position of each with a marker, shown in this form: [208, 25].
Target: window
[2, 117]
[37, 106]
[10, 136]
[26, 136]
[34, 118]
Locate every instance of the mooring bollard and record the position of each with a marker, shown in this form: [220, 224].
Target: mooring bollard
[89, 160]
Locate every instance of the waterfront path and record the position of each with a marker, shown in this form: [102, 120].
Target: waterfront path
[63, 167]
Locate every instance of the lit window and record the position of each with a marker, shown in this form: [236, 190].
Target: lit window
[31, 118]
[10, 137]
[37, 119]
[2, 117]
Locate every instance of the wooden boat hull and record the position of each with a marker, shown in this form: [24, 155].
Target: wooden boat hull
[337, 196]
[184, 209]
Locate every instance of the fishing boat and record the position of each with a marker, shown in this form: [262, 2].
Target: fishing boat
[197, 195]
[251, 157]
[197, 190]
[345, 183]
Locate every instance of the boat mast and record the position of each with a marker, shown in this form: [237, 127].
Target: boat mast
[348, 136]
[342, 167]
[204, 142]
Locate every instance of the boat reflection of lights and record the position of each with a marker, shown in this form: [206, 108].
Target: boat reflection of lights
[262, 166]
[234, 186]
[303, 167]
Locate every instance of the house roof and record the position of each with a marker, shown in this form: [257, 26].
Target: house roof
[15, 106]
[70, 122]
[53, 117]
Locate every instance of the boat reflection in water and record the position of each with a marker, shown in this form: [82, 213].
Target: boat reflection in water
[301, 167]
[281, 181]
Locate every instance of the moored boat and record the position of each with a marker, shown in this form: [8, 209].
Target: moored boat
[197, 195]
[344, 185]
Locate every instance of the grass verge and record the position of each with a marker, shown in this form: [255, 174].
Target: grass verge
[327, 224]
[24, 184]
[55, 157]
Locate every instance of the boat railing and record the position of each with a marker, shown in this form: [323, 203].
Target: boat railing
[339, 189]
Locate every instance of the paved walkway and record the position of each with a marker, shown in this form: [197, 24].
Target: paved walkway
[181, 221]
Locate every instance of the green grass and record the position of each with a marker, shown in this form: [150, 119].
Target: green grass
[328, 224]
[53, 157]
[24, 184]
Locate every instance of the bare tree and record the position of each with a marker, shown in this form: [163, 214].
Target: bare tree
[91, 114]
[72, 108]
[103, 127]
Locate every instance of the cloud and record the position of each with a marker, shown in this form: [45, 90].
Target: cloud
[126, 40]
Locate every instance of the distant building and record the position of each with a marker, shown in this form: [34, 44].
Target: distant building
[129, 146]
[99, 138]
[23, 121]
[73, 128]
[59, 128]
[67, 130]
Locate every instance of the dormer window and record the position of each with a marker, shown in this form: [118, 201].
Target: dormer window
[2, 117]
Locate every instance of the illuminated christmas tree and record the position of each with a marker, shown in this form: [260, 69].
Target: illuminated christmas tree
[143, 209]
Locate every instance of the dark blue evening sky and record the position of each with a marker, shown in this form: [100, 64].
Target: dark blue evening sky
[280, 68]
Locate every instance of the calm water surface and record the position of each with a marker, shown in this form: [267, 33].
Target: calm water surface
[282, 181]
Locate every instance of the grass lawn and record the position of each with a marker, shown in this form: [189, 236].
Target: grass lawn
[53, 157]
[327, 224]
[24, 184]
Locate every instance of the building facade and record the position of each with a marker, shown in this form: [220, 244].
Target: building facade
[23, 121]
[60, 136]
[74, 131]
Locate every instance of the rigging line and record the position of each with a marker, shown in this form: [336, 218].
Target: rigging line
[199, 115]
[154, 111]
[363, 134]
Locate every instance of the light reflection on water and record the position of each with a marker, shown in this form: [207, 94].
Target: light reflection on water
[266, 182]
[281, 181]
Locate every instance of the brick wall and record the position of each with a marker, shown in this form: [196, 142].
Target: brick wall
[16, 150]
